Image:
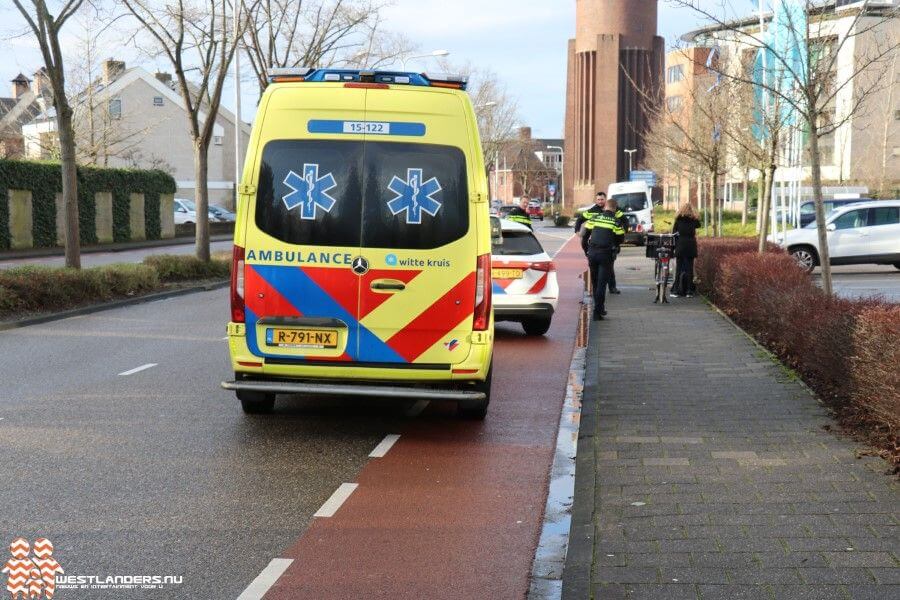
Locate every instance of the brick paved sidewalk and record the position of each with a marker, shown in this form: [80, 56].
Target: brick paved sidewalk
[704, 470]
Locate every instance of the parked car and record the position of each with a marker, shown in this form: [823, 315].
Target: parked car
[859, 233]
[185, 212]
[222, 215]
[505, 210]
[535, 211]
[524, 279]
[808, 208]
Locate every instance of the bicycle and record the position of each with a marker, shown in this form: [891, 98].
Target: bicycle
[661, 248]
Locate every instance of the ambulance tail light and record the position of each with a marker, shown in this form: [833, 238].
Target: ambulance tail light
[483, 283]
[237, 285]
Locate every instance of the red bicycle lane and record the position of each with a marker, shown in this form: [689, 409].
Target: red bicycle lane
[454, 509]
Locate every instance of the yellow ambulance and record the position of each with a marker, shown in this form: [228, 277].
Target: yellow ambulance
[362, 246]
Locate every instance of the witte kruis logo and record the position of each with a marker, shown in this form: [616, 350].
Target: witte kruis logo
[31, 577]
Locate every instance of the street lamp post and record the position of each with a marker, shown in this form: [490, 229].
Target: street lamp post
[630, 154]
[435, 53]
[237, 103]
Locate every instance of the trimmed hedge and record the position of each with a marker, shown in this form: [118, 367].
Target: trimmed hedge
[44, 180]
[848, 351]
[172, 267]
[36, 289]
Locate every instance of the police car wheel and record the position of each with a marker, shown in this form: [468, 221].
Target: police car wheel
[477, 409]
[256, 403]
[897, 265]
[536, 326]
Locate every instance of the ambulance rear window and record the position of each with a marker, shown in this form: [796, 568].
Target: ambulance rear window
[310, 192]
[416, 196]
[373, 194]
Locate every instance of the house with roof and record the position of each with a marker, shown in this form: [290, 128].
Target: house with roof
[29, 99]
[131, 118]
[525, 166]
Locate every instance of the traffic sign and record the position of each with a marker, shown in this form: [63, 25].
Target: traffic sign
[551, 189]
[648, 176]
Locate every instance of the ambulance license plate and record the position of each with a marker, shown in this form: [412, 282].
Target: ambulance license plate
[506, 273]
[302, 338]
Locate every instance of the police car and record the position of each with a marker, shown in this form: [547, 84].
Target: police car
[525, 288]
[362, 260]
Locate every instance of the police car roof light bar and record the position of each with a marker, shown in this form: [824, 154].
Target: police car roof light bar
[304, 74]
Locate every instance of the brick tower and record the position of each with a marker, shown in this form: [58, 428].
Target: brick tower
[615, 49]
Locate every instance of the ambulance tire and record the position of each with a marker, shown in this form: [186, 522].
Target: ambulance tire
[256, 403]
[536, 326]
[476, 410]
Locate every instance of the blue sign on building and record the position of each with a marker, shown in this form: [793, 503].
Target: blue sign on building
[648, 176]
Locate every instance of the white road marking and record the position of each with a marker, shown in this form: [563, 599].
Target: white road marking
[384, 446]
[225, 338]
[416, 409]
[137, 369]
[265, 580]
[339, 496]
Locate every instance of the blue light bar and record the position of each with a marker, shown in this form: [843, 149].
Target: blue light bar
[365, 76]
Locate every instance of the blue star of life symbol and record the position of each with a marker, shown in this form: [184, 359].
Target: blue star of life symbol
[414, 196]
[309, 191]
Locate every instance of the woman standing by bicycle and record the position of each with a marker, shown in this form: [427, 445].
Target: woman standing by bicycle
[686, 225]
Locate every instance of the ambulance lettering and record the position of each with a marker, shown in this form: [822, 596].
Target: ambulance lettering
[414, 196]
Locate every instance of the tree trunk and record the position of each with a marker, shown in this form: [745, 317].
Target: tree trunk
[69, 183]
[201, 199]
[746, 199]
[765, 205]
[714, 203]
[816, 167]
[760, 190]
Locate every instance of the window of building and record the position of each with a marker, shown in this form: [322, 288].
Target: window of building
[675, 73]
[217, 140]
[674, 103]
[673, 193]
[897, 115]
[115, 108]
[157, 100]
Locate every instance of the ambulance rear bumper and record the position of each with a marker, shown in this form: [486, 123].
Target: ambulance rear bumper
[340, 389]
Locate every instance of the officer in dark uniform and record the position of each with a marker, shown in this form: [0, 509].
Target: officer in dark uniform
[623, 223]
[520, 214]
[604, 234]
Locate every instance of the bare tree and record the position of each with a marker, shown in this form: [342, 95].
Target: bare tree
[197, 38]
[46, 27]
[312, 33]
[810, 86]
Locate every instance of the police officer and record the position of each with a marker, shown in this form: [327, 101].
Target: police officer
[623, 223]
[605, 234]
[520, 213]
[599, 201]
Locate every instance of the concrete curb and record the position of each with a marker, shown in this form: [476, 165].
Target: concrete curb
[93, 308]
[119, 247]
[576, 578]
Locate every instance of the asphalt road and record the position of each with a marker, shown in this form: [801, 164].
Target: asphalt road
[158, 472]
[860, 281]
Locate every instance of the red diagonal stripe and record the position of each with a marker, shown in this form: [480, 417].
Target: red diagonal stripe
[541, 284]
[437, 321]
[272, 304]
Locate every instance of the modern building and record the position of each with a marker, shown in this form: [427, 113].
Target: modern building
[864, 150]
[687, 73]
[139, 121]
[615, 70]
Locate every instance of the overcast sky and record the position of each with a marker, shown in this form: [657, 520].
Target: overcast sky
[523, 41]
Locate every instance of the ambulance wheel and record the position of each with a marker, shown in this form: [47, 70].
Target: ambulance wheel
[536, 326]
[256, 403]
[476, 410]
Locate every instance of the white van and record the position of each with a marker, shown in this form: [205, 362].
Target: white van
[634, 198]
